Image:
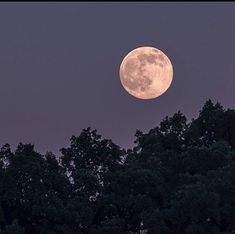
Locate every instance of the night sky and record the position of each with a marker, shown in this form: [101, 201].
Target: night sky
[59, 67]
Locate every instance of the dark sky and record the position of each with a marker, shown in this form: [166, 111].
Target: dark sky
[59, 67]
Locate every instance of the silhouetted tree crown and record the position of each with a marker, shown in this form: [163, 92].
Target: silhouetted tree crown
[179, 178]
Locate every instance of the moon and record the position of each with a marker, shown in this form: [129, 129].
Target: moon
[146, 72]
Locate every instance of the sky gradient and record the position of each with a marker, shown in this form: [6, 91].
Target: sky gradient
[59, 67]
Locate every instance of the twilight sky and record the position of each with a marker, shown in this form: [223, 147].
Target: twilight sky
[59, 67]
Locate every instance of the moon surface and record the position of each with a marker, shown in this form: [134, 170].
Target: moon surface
[146, 72]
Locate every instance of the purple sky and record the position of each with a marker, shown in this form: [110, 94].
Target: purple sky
[59, 67]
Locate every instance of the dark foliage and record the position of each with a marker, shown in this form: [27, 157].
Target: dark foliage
[178, 179]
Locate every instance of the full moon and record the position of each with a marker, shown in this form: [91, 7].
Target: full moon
[146, 72]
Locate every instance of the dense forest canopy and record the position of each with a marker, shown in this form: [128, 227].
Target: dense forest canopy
[178, 179]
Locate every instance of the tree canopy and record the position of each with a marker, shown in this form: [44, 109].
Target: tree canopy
[179, 178]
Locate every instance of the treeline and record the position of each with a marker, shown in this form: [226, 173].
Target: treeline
[178, 179]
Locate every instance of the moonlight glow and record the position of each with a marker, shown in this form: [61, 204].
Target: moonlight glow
[146, 72]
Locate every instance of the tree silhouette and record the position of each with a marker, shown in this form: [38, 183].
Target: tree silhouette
[179, 178]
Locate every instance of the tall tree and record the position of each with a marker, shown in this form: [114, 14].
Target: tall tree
[208, 127]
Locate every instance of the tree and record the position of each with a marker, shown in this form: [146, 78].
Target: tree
[169, 136]
[222, 182]
[89, 160]
[178, 179]
[200, 160]
[208, 127]
[34, 190]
